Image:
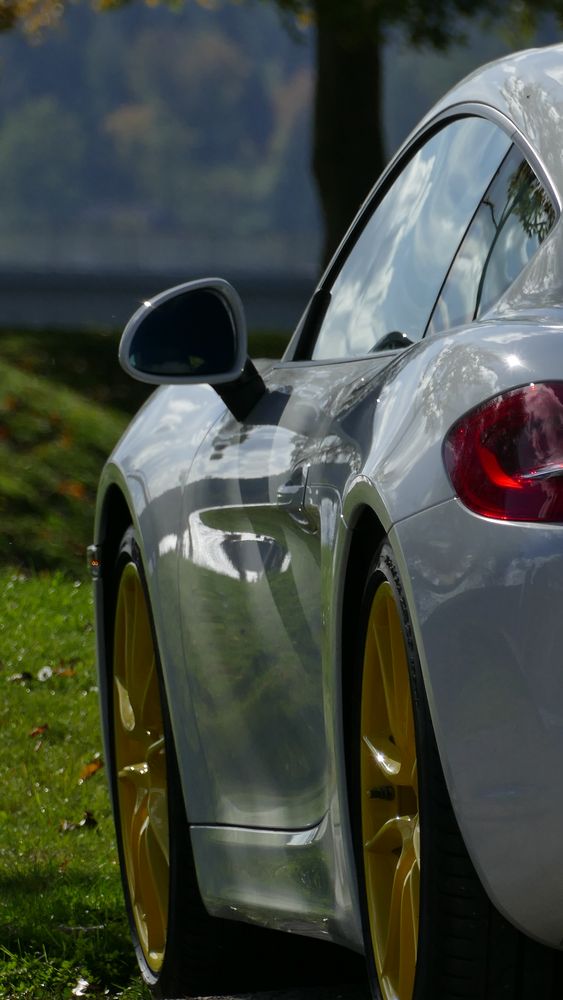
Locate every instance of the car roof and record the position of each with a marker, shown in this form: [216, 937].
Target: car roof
[527, 87]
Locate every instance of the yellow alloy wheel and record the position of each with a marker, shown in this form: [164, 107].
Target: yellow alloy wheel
[389, 799]
[140, 765]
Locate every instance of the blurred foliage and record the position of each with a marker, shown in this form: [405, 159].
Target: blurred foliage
[117, 111]
[64, 402]
[438, 23]
[434, 21]
[56, 183]
[178, 135]
[52, 447]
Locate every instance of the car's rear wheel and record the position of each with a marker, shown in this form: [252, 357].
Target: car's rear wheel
[431, 932]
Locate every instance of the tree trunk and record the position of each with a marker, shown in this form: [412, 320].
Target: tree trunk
[347, 145]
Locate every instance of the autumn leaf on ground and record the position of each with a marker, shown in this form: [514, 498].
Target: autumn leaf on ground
[66, 668]
[71, 488]
[40, 730]
[90, 769]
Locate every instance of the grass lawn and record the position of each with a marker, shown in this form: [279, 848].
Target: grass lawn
[61, 910]
[63, 404]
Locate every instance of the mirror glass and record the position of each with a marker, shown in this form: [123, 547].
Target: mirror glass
[191, 334]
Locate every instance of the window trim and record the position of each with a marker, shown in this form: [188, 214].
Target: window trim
[514, 146]
[303, 341]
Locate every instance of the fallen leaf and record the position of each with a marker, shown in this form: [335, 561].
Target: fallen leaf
[90, 769]
[71, 488]
[40, 730]
[65, 672]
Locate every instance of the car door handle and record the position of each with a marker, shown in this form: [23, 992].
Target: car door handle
[291, 496]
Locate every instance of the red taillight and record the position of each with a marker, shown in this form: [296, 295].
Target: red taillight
[505, 458]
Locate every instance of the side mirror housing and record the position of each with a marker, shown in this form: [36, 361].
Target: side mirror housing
[191, 334]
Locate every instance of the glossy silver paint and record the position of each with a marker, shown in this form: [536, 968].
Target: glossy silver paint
[246, 531]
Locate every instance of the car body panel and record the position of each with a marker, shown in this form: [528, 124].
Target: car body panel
[266, 509]
[526, 88]
[486, 599]
[314, 891]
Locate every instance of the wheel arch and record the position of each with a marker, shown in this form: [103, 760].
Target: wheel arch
[367, 534]
[114, 519]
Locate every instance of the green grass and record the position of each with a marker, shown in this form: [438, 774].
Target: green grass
[61, 909]
[63, 404]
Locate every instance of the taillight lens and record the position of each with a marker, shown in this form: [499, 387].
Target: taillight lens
[505, 458]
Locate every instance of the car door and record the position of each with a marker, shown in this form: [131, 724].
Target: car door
[262, 499]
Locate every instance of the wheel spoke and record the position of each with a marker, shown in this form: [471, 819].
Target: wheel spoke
[158, 797]
[141, 767]
[135, 675]
[382, 640]
[387, 758]
[153, 870]
[393, 836]
[390, 823]
[400, 947]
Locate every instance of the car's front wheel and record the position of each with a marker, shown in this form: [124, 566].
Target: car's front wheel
[162, 899]
[181, 950]
[431, 932]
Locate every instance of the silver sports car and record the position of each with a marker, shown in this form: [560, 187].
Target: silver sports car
[330, 588]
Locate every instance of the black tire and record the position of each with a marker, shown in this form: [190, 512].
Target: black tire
[465, 947]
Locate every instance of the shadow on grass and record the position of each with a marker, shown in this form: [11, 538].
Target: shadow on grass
[54, 927]
[69, 923]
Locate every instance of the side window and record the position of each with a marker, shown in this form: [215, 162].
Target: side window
[512, 220]
[389, 283]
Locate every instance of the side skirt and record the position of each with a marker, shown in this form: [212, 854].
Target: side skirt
[290, 880]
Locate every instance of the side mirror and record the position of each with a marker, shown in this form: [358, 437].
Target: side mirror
[192, 334]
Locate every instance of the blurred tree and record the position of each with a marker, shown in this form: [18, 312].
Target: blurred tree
[41, 148]
[348, 152]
